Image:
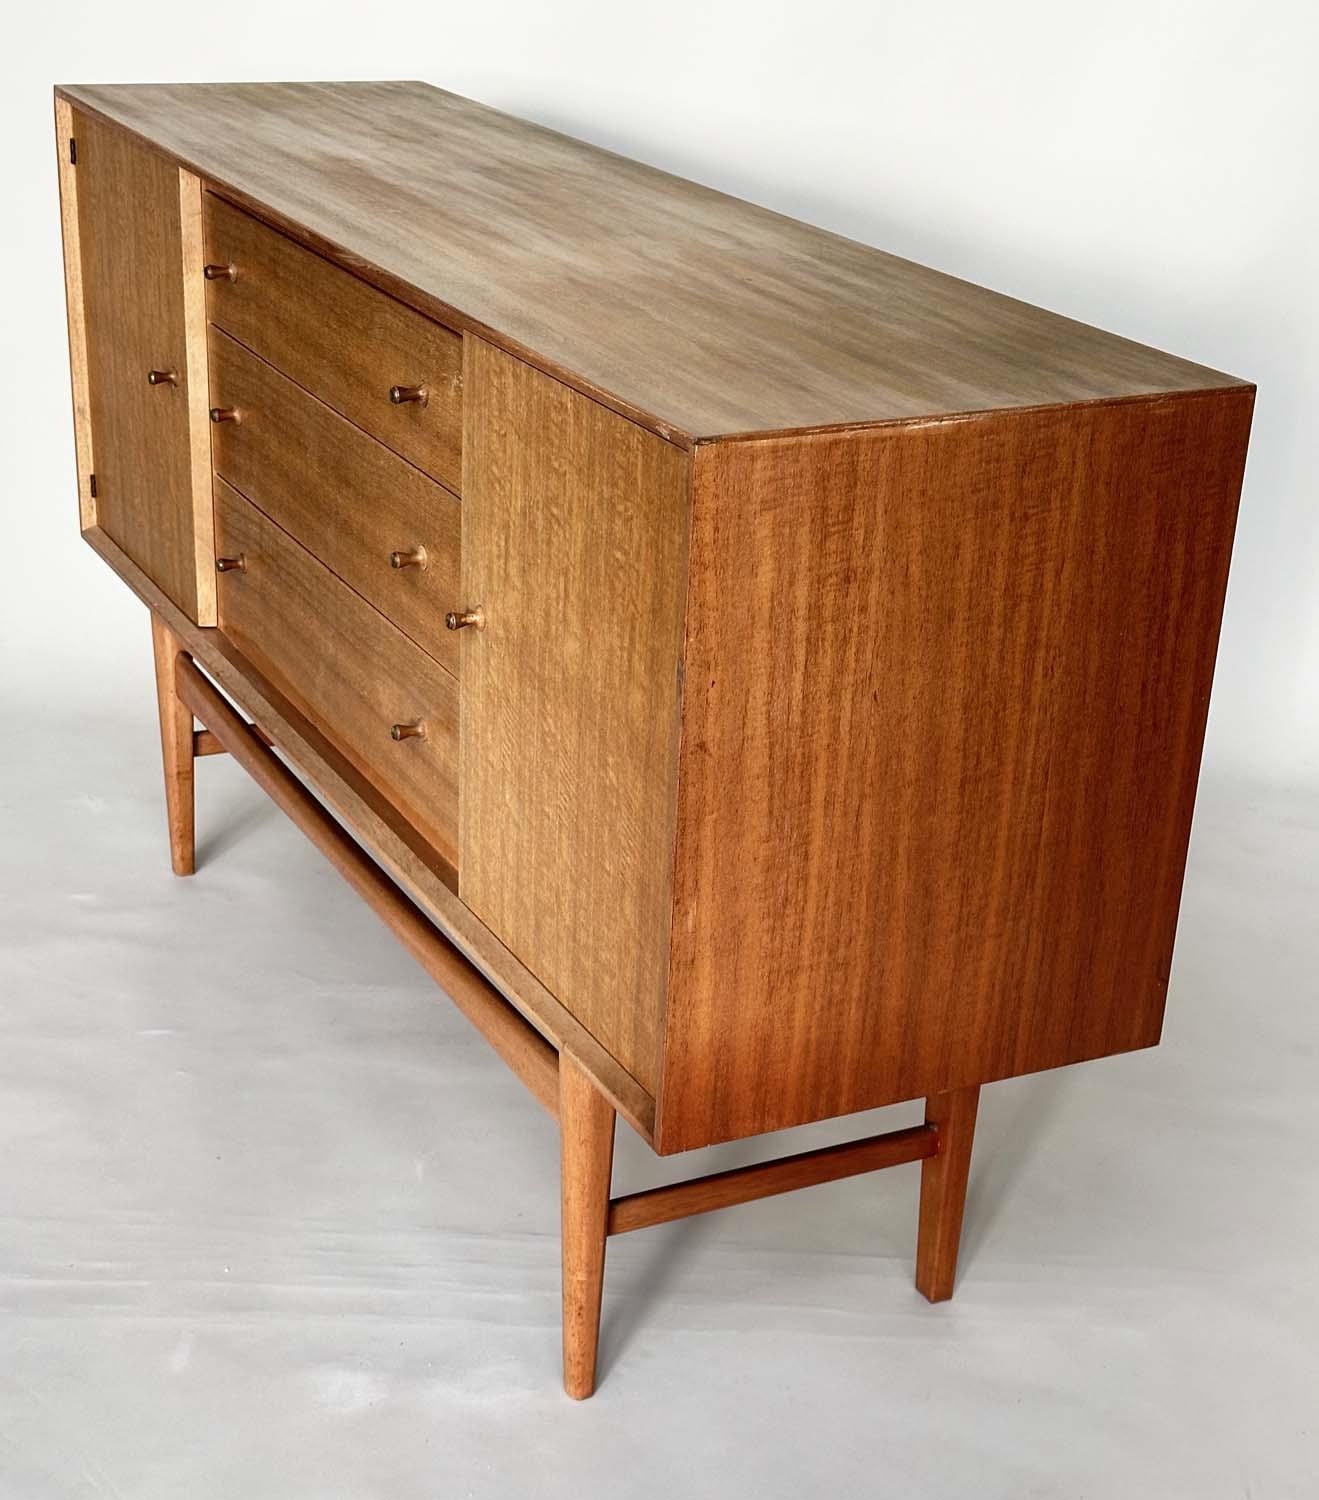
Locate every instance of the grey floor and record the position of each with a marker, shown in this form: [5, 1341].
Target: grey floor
[273, 1223]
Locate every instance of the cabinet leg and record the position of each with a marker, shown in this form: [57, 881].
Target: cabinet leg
[943, 1191]
[175, 749]
[586, 1126]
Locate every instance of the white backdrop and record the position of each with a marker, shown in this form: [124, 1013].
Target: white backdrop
[1146, 165]
[275, 1224]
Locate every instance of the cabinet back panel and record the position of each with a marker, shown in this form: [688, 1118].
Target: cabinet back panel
[946, 687]
[573, 545]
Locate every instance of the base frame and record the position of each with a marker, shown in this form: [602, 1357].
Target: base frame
[586, 1115]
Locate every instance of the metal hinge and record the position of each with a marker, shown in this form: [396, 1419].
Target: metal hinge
[91, 485]
[73, 152]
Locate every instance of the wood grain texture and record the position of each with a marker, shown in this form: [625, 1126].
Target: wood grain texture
[343, 340]
[586, 1131]
[73, 300]
[151, 442]
[392, 843]
[344, 664]
[573, 544]
[765, 1179]
[944, 1178]
[688, 309]
[530, 1057]
[344, 496]
[945, 695]
[176, 751]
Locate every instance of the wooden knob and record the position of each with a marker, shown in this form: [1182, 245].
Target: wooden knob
[224, 414]
[220, 273]
[416, 731]
[414, 557]
[162, 377]
[231, 564]
[400, 394]
[456, 620]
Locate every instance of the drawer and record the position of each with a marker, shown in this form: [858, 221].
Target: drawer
[345, 497]
[354, 674]
[344, 340]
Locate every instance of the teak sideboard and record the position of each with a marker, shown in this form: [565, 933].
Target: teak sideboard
[758, 677]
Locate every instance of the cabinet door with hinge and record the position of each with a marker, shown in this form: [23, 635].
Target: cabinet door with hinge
[574, 524]
[137, 322]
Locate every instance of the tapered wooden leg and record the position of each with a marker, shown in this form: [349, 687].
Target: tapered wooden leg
[943, 1191]
[586, 1127]
[175, 749]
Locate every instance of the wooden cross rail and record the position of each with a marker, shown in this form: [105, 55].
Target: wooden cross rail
[680, 1200]
[206, 743]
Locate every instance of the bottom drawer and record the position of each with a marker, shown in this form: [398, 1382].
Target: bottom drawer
[356, 676]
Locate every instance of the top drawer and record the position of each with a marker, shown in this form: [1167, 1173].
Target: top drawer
[356, 348]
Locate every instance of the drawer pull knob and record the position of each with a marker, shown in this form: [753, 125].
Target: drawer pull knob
[224, 414]
[414, 557]
[162, 377]
[458, 620]
[415, 731]
[220, 273]
[400, 394]
[231, 564]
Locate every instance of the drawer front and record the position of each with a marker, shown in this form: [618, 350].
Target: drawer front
[345, 497]
[352, 672]
[343, 340]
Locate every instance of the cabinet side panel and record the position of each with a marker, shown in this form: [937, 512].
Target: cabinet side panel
[574, 537]
[946, 688]
[137, 319]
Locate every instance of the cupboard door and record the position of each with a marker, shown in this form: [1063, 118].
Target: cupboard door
[144, 322]
[573, 543]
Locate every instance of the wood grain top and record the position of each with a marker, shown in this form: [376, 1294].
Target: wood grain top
[692, 311]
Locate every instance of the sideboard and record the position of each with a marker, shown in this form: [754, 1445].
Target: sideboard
[760, 678]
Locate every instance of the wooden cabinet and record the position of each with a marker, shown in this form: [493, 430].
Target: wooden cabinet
[760, 678]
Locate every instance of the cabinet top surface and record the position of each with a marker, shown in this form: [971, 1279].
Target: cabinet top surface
[697, 312]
